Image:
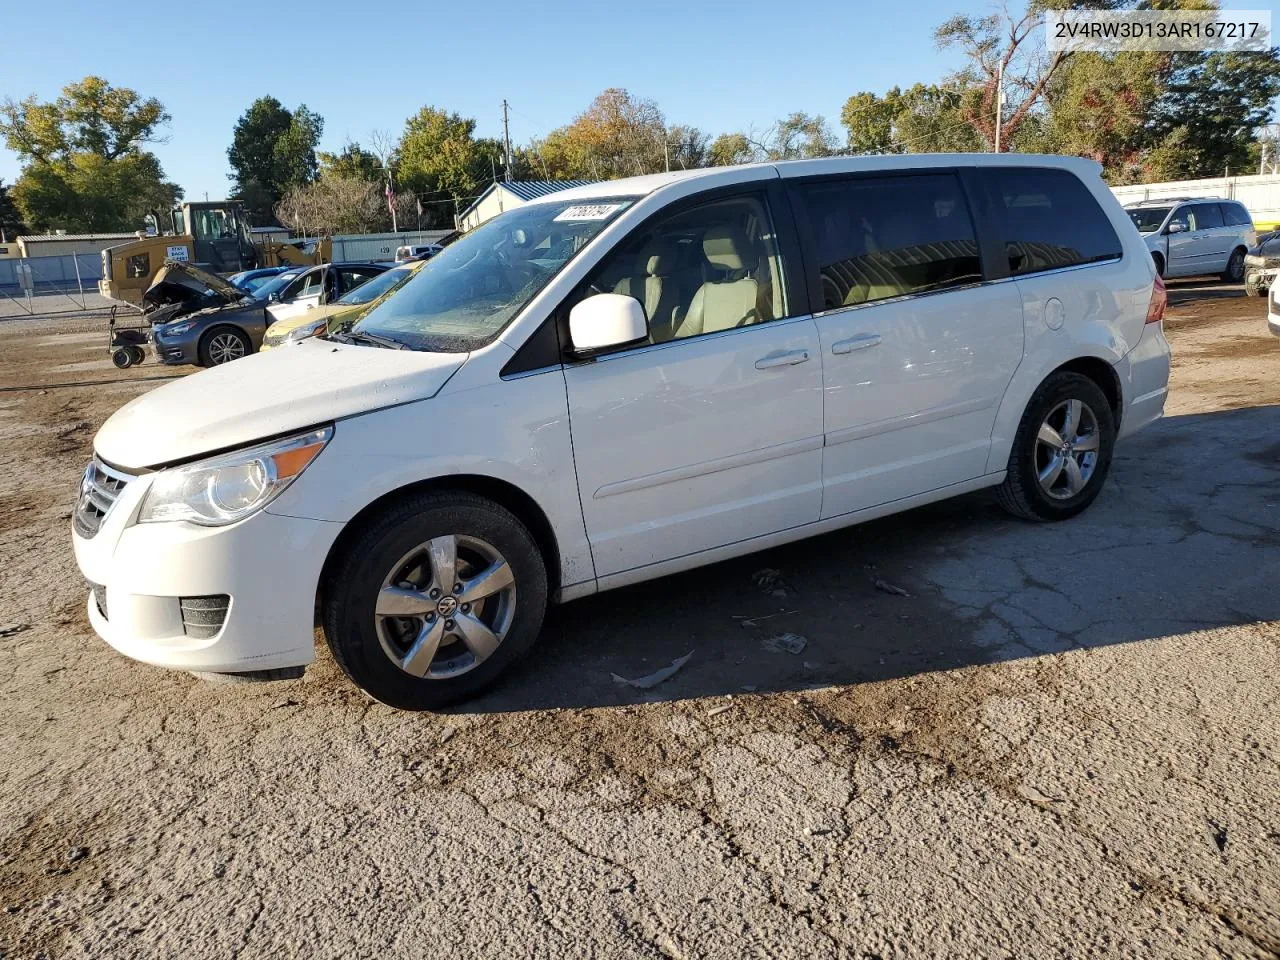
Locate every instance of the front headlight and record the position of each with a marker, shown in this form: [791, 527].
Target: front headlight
[305, 331]
[232, 486]
[174, 329]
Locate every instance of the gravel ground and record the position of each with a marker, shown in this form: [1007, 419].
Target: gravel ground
[1063, 742]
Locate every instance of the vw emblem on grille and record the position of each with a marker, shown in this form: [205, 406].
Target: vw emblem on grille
[86, 486]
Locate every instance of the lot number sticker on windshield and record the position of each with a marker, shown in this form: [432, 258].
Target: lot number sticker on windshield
[589, 211]
[176, 253]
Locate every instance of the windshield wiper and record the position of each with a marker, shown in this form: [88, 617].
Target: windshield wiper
[359, 336]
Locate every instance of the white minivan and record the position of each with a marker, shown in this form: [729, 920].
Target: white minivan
[618, 382]
[1190, 238]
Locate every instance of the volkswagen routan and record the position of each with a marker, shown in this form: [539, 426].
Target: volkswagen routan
[618, 382]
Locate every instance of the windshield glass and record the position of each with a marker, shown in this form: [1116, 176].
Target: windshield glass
[371, 290]
[463, 296]
[1147, 219]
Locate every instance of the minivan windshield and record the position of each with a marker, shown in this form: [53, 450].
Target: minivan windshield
[464, 295]
[1148, 219]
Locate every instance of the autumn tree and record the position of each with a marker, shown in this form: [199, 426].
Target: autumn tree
[84, 163]
[272, 150]
[729, 149]
[618, 135]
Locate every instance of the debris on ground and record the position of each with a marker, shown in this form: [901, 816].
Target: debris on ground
[447, 733]
[76, 854]
[745, 621]
[770, 581]
[885, 587]
[655, 678]
[785, 643]
[716, 711]
[13, 629]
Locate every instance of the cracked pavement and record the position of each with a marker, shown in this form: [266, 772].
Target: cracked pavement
[1064, 742]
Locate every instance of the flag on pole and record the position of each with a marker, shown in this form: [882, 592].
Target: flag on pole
[391, 199]
[419, 200]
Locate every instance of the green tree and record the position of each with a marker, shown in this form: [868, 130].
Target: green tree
[1205, 121]
[925, 118]
[729, 149]
[272, 150]
[618, 135]
[439, 158]
[352, 161]
[84, 163]
[11, 223]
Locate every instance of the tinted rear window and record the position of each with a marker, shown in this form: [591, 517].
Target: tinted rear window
[886, 237]
[1235, 215]
[1051, 220]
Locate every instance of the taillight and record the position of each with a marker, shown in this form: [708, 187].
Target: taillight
[1159, 300]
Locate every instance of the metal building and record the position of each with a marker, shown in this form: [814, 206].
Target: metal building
[500, 197]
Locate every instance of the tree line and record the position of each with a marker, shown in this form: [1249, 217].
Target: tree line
[1143, 116]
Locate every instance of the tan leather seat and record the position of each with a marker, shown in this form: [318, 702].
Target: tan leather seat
[732, 302]
[655, 290]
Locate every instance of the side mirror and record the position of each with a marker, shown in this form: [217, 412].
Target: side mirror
[1176, 227]
[273, 298]
[606, 320]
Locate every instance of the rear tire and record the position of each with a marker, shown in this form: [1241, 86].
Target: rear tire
[1235, 266]
[1032, 490]
[411, 648]
[222, 345]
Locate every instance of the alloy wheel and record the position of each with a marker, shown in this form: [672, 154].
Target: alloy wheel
[1066, 451]
[445, 607]
[225, 347]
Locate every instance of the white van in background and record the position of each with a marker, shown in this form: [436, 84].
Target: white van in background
[618, 382]
[417, 251]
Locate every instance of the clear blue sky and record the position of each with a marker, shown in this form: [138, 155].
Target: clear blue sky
[718, 66]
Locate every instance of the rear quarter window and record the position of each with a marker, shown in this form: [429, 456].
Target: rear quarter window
[1050, 220]
[1236, 215]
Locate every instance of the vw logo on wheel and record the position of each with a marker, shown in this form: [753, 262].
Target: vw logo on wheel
[447, 606]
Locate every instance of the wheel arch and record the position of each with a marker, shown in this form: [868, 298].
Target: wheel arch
[1101, 373]
[502, 492]
[205, 336]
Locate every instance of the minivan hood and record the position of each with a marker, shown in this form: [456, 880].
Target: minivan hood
[266, 395]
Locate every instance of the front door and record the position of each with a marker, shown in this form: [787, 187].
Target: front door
[916, 350]
[711, 432]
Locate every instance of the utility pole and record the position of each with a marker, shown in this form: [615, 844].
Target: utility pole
[506, 144]
[999, 101]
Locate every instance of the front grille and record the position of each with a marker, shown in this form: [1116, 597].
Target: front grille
[100, 598]
[99, 491]
[202, 617]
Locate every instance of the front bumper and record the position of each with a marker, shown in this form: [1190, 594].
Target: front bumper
[263, 571]
[177, 350]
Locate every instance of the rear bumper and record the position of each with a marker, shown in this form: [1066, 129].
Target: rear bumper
[1144, 380]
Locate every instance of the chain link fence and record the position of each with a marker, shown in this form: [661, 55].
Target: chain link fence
[33, 287]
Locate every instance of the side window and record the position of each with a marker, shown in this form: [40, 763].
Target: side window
[1051, 220]
[1184, 216]
[352, 277]
[880, 238]
[307, 285]
[137, 266]
[709, 268]
[1235, 215]
[1208, 216]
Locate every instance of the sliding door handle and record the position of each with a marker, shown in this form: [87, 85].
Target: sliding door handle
[861, 342]
[783, 359]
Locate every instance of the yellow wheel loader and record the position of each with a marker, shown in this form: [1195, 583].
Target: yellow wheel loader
[214, 236]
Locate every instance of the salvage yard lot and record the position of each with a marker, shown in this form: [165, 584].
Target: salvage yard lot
[1064, 740]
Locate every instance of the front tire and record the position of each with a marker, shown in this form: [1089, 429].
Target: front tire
[222, 345]
[434, 599]
[1062, 451]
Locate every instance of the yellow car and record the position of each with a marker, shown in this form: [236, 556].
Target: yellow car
[347, 307]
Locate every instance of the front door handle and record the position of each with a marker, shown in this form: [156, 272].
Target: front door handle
[782, 359]
[861, 342]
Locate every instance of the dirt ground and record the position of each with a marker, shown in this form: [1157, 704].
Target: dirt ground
[1063, 743]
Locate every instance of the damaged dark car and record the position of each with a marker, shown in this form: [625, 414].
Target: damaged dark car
[198, 318]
